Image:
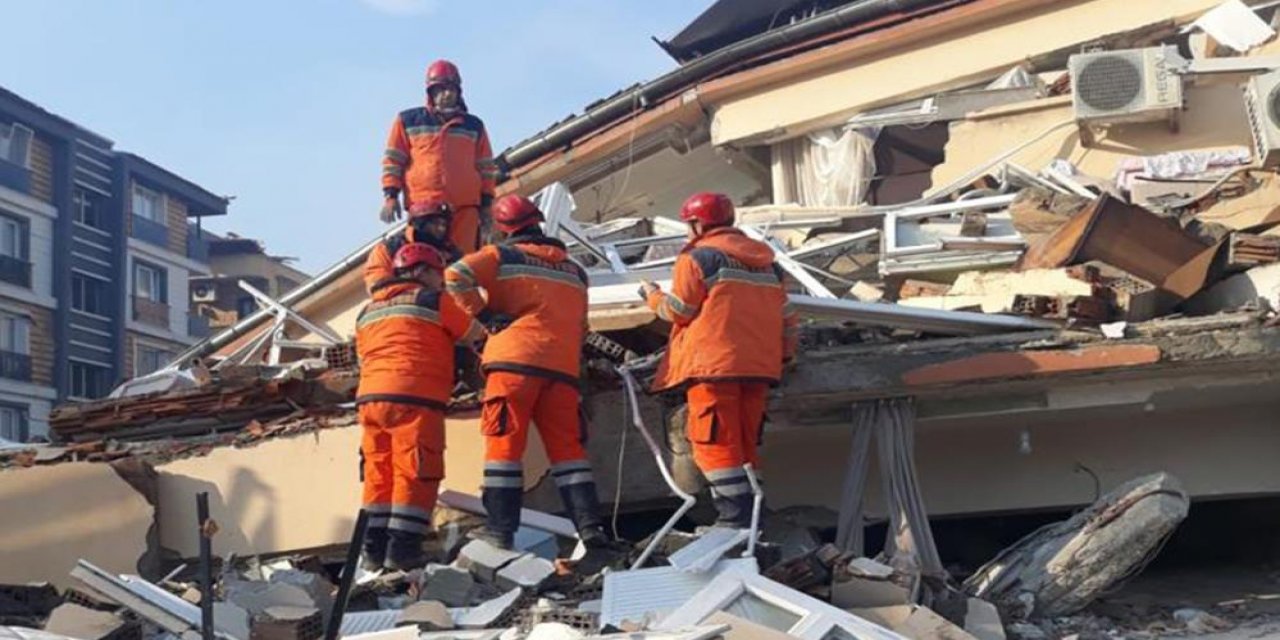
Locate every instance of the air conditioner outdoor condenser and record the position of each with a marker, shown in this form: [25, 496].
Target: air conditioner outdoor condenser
[1133, 85]
[1262, 103]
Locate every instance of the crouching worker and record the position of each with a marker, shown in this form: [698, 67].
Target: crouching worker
[532, 367]
[405, 339]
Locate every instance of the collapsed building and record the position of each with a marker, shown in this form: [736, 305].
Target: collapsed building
[1036, 240]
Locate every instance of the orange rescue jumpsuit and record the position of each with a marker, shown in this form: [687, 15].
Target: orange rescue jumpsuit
[731, 332]
[431, 159]
[405, 340]
[533, 369]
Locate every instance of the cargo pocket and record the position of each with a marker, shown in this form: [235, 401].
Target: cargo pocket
[429, 464]
[495, 417]
[703, 427]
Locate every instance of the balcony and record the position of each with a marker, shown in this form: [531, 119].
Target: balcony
[197, 246]
[15, 366]
[15, 271]
[149, 231]
[197, 326]
[150, 312]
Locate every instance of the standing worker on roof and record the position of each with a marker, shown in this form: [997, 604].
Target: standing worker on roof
[440, 153]
[532, 367]
[732, 332]
[405, 340]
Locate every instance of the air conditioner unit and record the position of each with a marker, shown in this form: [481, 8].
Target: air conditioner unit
[204, 293]
[1262, 104]
[1134, 85]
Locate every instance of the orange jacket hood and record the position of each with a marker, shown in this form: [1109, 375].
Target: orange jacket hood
[736, 245]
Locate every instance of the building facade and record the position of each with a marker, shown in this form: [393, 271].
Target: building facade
[95, 256]
[219, 298]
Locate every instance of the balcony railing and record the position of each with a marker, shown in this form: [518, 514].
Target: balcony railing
[15, 366]
[151, 312]
[197, 326]
[197, 247]
[15, 271]
[150, 231]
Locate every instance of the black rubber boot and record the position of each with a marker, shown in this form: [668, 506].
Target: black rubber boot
[373, 553]
[404, 551]
[583, 505]
[503, 506]
[733, 511]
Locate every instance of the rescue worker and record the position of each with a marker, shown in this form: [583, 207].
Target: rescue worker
[532, 367]
[429, 223]
[441, 153]
[405, 339]
[731, 333]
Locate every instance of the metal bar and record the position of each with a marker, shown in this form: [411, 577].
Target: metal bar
[789, 265]
[757, 503]
[633, 400]
[914, 318]
[205, 530]
[348, 577]
[281, 309]
[960, 206]
[819, 248]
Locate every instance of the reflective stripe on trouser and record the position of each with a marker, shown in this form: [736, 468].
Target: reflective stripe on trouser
[577, 488]
[512, 402]
[724, 428]
[403, 450]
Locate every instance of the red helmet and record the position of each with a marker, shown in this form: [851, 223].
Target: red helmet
[711, 209]
[443, 72]
[416, 254]
[429, 208]
[512, 213]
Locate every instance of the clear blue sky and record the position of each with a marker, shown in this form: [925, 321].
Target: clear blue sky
[286, 104]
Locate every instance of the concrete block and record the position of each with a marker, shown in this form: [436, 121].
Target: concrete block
[982, 619]
[485, 615]
[526, 572]
[448, 585]
[484, 560]
[428, 615]
[75, 621]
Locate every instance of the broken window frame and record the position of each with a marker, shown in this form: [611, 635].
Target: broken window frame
[817, 618]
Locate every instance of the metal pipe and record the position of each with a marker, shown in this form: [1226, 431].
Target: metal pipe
[757, 503]
[334, 624]
[650, 93]
[634, 401]
[205, 531]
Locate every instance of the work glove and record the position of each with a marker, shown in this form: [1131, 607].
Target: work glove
[646, 289]
[391, 210]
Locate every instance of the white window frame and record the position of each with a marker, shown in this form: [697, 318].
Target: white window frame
[9, 133]
[71, 368]
[817, 618]
[160, 208]
[7, 222]
[19, 418]
[80, 201]
[156, 292]
[15, 333]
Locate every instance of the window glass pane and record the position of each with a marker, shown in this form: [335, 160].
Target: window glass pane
[10, 238]
[10, 424]
[751, 607]
[144, 285]
[838, 633]
[8, 333]
[21, 337]
[6, 142]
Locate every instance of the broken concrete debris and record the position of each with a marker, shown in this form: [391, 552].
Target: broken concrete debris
[1063, 567]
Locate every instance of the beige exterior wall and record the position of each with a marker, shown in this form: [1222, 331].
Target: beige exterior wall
[940, 62]
[256, 264]
[41, 344]
[41, 169]
[1214, 118]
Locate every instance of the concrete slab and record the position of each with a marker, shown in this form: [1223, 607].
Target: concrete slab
[446, 584]
[76, 621]
[484, 560]
[428, 615]
[526, 572]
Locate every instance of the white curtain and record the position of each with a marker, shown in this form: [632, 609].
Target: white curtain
[831, 168]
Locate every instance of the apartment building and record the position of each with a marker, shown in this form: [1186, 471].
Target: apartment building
[233, 258]
[96, 251]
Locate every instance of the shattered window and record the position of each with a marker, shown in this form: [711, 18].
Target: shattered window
[754, 608]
